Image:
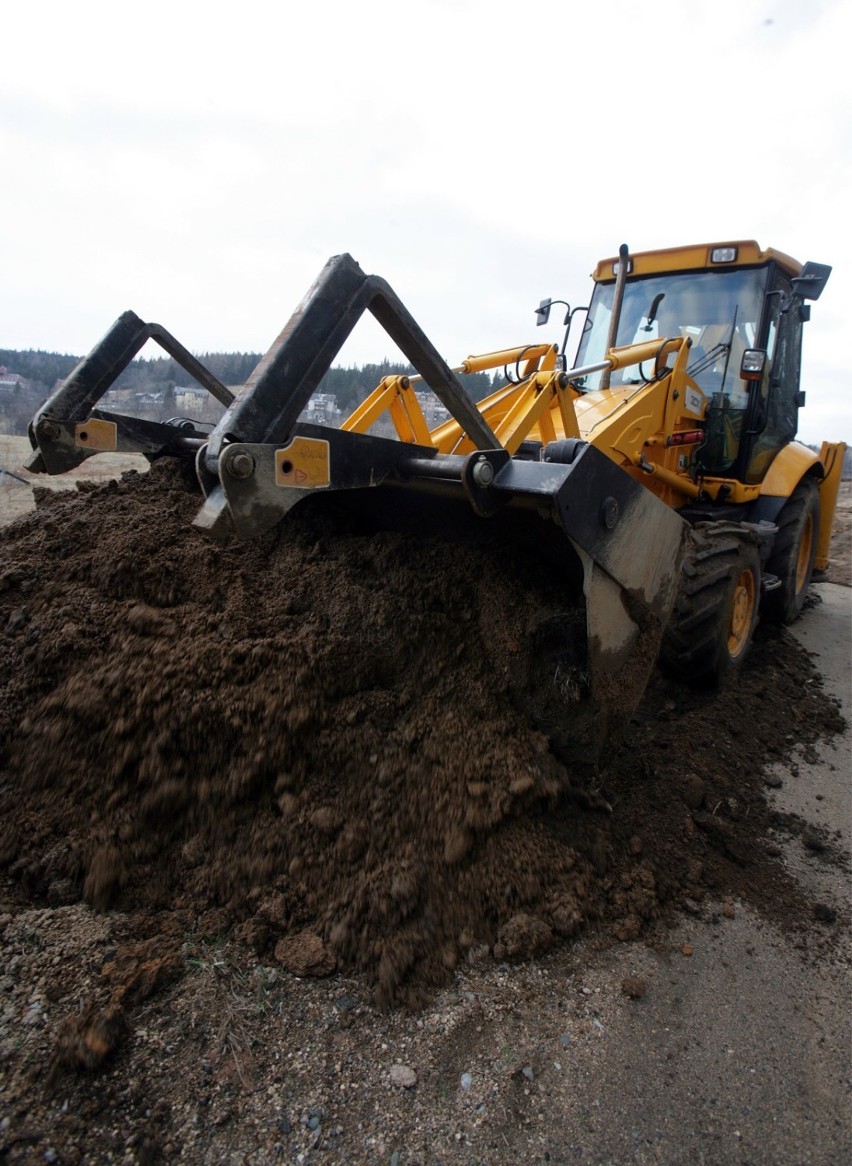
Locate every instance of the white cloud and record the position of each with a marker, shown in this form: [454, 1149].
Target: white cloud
[200, 166]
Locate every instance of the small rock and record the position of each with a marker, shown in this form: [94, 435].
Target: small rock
[633, 987]
[16, 620]
[813, 840]
[728, 909]
[466, 1081]
[346, 1003]
[403, 1076]
[773, 780]
[693, 792]
[528, 1072]
[686, 949]
[824, 913]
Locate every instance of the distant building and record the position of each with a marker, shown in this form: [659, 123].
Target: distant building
[434, 413]
[321, 409]
[188, 398]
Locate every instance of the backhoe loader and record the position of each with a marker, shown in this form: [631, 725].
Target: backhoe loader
[662, 459]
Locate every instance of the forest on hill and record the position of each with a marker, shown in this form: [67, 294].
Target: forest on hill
[28, 376]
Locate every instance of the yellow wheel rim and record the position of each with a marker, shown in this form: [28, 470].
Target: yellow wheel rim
[806, 547]
[742, 613]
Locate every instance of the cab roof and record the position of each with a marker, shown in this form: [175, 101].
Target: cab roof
[696, 257]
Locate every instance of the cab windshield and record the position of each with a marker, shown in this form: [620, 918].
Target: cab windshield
[718, 310]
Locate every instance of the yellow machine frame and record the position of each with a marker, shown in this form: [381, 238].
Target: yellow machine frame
[648, 430]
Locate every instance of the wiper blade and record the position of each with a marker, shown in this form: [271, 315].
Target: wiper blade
[708, 359]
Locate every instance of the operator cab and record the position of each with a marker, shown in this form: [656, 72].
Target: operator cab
[739, 300]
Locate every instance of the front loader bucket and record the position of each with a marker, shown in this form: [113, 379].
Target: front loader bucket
[260, 461]
[631, 547]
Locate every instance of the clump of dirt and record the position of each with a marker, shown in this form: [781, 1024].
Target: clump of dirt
[319, 743]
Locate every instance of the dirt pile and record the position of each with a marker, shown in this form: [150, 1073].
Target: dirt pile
[314, 741]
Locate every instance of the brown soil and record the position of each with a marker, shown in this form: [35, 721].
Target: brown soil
[314, 748]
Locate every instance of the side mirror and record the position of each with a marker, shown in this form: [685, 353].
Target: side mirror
[542, 312]
[813, 279]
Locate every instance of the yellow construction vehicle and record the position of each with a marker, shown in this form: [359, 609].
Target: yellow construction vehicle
[663, 457]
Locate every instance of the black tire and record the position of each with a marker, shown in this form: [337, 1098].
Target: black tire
[715, 614]
[792, 558]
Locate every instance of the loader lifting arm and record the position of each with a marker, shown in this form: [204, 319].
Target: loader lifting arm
[68, 428]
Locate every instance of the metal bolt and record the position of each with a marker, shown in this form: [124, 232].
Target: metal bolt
[48, 429]
[609, 512]
[483, 472]
[240, 464]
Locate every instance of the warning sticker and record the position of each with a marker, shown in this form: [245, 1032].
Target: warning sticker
[303, 463]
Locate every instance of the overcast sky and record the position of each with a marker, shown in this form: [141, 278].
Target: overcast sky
[200, 162]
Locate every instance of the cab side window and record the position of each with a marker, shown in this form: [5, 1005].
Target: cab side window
[775, 415]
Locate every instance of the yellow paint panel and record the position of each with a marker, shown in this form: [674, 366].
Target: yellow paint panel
[304, 463]
[96, 434]
[788, 469]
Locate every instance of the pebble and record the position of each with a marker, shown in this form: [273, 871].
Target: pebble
[466, 1081]
[693, 792]
[773, 781]
[403, 1076]
[528, 1072]
[16, 620]
[633, 987]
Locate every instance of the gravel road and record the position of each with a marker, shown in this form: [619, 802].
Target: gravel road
[739, 1052]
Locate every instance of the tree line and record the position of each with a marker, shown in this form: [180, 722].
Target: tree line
[162, 375]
